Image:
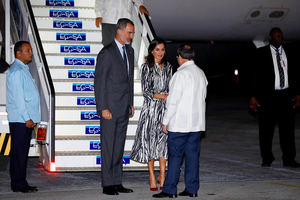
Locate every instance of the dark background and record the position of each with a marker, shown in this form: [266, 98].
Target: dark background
[218, 60]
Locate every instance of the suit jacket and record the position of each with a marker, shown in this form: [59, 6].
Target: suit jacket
[113, 84]
[263, 77]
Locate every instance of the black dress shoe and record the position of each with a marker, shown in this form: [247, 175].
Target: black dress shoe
[122, 189]
[33, 188]
[110, 190]
[24, 190]
[185, 193]
[164, 195]
[292, 164]
[266, 164]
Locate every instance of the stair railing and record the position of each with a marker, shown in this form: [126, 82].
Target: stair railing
[26, 29]
[144, 33]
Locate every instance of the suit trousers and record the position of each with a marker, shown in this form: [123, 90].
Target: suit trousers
[277, 110]
[180, 144]
[108, 33]
[113, 135]
[20, 143]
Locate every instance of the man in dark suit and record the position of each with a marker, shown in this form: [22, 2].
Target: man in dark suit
[114, 102]
[275, 94]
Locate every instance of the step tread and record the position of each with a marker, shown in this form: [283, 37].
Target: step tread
[72, 67]
[72, 54]
[88, 122]
[92, 107]
[86, 137]
[85, 80]
[125, 168]
[73, 42]
[83, 153]
[82, 80]
[64, 18]
[63, 7]
[71, 30]
[86, 94]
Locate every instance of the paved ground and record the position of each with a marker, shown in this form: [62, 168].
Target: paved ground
[230, 166]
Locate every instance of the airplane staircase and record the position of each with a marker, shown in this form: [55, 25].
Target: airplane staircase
[71, 42]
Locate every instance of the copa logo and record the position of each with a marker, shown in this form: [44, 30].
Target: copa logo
[81, 74]
[64, 13]
[67, 24]
[65, 3]
[75, 49]
[85, 101]
[89, 115]
[83, 87]
[79, 61]
[95, 145]
[92, 130]
[126, 160]
[71, 36]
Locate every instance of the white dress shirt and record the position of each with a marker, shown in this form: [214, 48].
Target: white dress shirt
[185, 106]
[284, 65]
[112, 10]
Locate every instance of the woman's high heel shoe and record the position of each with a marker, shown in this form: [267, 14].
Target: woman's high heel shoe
[154, 189]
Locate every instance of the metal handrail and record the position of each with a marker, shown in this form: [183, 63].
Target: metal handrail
[50, 83]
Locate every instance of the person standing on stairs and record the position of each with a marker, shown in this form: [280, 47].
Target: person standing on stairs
[109, 11]
[114, 103]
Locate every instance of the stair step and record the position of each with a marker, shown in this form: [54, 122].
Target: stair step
[65, 49]
[65, 162]
[84, 115]
[76, 74]
[80, 101]
[66, 24]
[64, 3]
[84, 86]
[91, 107]
[86, 145]
[70, 37]
[85, 129]
[84, 60]
[65, 12]
[85, 137]
[90, 122]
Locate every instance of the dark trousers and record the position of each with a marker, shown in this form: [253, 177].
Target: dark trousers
[20, 143]
[108, 33]
[180, 144]
[113, 135]
[278, 110]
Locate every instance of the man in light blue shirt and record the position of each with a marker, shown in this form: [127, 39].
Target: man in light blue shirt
[23, 108]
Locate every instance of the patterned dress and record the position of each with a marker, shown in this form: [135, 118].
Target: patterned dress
[150, 142]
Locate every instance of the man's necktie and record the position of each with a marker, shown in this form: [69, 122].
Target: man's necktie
[124, 56]
[280, 69]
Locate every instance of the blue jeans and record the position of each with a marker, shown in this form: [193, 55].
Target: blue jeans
[180, 144]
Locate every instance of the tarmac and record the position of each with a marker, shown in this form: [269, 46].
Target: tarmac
[229, 166]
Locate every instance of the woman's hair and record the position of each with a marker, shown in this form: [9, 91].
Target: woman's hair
[150, 58]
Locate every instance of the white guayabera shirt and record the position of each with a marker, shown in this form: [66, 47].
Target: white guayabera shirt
[112, 10]
[185, 107]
